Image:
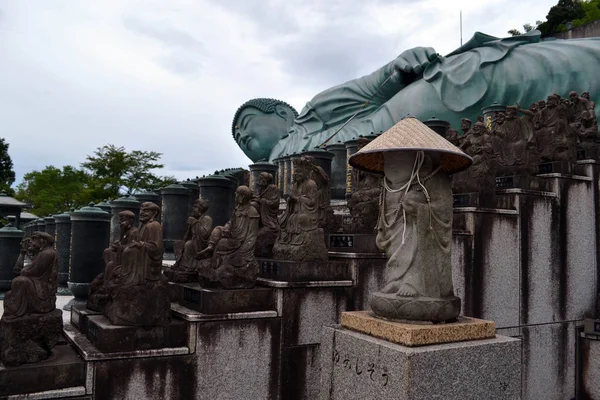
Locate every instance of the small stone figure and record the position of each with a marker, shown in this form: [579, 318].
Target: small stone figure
[197, 231]
[555, 127]
[514, 144]
[100, 287]
[415, 221]
[229, 257]
[268, 205]
[480, 177]
[364, 202]
[31, 325]
[452, 137]
[465, 126]
[300, 237]
[140, 294]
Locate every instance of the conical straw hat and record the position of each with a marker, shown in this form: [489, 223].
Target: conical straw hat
[410, 134]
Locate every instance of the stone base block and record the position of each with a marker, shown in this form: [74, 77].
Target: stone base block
[358, 366]
[146, 305]
[117, 338]
[29, 339]
[356, 243]
[177, 276]
[63, 369]
[299, 271]
[300, 372]
[225, 301]
[79, 316]
[418, 334]
[590, 374]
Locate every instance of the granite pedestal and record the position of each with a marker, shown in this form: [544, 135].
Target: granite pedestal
[225, 301]
[80, 315]
[359, 366]
[302, 271]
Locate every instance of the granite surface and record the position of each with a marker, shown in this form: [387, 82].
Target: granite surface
[418, 334]
[591, 368]
[358, 366]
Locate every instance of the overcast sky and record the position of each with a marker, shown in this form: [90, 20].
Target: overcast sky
[169, 75]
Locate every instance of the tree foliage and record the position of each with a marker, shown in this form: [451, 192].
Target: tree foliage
[562, 13]
[592, 13]
[7, 175]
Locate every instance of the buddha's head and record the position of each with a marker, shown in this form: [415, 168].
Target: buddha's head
[259, 124]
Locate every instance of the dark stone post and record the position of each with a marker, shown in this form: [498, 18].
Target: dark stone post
[175, 203]
[40, 225]
[63, 246]
[438, 126]
[10, 246]
[220, 193]
[288, 170]
[337, 179]
[280, 176]
[256, 169]
[90, 232]
[51, 227]
[118, 205]
[193, 192]
[104, 206]
[153, 197]
[351, 148]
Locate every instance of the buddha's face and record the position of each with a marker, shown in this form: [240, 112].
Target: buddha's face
[257, 132]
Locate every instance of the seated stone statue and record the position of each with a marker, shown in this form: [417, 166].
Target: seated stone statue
[300, 236]
[31, 325]
[197, 232]
[514, 144]
[480, 177]
[113, 255]
[139, 294]
[415, 221]
[554, 128]
[364, 201]
[268, 205]
[424, 83]
[229, 259]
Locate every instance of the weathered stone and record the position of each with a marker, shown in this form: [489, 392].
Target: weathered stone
[80, 316]
[117, 206]
[339, 165]
[353, 243]
[300, 372]
[145, 305]
[303, 271]
[217, 189]
[224, 301]
[268, 206]
[63, 245]
[590, 349]
[10, 245]
[175, 210]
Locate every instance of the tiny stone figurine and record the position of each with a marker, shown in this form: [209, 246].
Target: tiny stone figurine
[415, 221]
[364, 202]
[31, 325]
[99, 287]
[229, 259]
[268, 205]
[197, 232]
[139, 294]
[300, 236]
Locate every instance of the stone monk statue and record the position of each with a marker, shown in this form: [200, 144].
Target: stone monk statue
[415, 221]
[484, 70]
[229, 257]
[31, 325]
[197, 233]
[268, 205]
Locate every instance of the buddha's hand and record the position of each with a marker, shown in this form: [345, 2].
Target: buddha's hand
[414, 61]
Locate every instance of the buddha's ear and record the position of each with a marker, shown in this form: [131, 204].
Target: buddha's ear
[284, 112]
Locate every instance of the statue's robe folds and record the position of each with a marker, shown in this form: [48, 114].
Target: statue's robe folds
[114, 258]
[269, 207]
[421, 266]
[484, 70]
[199, 233]
[302, 217]
[141, 264]
[238, 248]
[514, 144]
[34, 290]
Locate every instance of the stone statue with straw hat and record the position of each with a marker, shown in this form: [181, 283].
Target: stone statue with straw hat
[414, 227]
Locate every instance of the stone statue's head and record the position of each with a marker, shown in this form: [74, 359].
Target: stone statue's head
[465, 124]
[39, 241]
[552, 101]
[265, 179]
[511, 112]
[573, 96]
[259, 124]
[499, 118]
[200, 207]
[243, 194]
[148, 211]
[126, 219]
[479, 128]
[303, 167]
[541, 104]
[585, 95]
[533, 107]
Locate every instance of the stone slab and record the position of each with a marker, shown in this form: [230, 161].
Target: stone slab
[116, 338]
[590, 371]
[191, 315]
[64, 369]
[416, 334]
[300, 372]
[79, 316]
[352, 242]
[225, 301]
[180, 276]
[297, 271]
[358, 366]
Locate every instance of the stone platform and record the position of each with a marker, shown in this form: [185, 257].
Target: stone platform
[225, 301]
[79, 316]
[64, 369]
[352, 242]
[117, 338]
[302, 271]
[177, 276]
[359, 366]
[418, 334]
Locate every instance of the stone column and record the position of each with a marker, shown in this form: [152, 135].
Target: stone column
[351, 148]
[104, 206]
[175, 203]
[118, 205]
[153, 197]
[10, 246]
[193, 193]
[220, 193]
[288, 170]
[63, 245]
[488, 114]
[280, 174]
[256, 169]
[40, 225]
[90, 232]
[337, 179]
[438, 126]
[51, 227]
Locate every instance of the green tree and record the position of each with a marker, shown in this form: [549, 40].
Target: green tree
[560, 14]
[592, 13]
[526, 28]
[116, 172]
[53, 190]
[7, 175]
